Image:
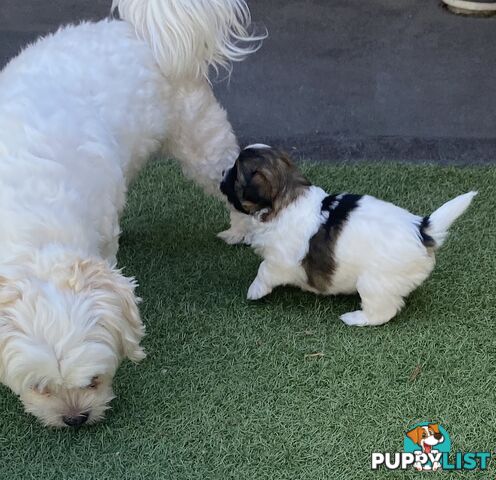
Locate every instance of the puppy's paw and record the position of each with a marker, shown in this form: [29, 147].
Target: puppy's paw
[257, 290]
[355, 319]
[231, 237]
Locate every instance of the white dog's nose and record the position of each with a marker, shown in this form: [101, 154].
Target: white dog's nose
[77, 420]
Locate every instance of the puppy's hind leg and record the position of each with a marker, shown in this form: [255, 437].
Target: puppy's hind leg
[380, 302]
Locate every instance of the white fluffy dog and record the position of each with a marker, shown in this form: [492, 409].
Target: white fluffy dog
[80, 113]
[332, 244]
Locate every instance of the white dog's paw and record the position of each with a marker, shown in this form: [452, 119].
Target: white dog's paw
[257, 290]
[355, 319]
[231, 237]
[436, 466]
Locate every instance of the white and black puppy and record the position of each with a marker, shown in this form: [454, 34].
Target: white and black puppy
[333, 244]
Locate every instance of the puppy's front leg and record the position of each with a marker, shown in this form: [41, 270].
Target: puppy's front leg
[264, 282]
[239, 230]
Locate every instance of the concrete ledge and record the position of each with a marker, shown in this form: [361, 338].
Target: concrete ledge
[447, 151]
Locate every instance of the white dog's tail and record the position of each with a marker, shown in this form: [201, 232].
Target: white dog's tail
[438, 223]
[189, 36]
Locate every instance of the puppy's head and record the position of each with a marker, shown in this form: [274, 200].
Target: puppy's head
[263, 181]
[63, 337]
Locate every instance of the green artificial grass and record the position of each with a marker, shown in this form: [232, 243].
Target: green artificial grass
[232, 389]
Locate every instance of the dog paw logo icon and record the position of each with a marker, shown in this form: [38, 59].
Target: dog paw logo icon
[428, 441]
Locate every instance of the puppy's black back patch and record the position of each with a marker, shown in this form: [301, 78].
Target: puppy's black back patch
[427, 240]
[339, 208]
[320, 263]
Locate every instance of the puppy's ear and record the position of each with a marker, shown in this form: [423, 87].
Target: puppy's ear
[435, 427]
[113, 291]
[415, 435]
[258, 193]
[284, 157]
[9, 292]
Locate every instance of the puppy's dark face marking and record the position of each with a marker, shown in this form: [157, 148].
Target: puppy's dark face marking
[320, 263]
[228, 188]
[263, 179]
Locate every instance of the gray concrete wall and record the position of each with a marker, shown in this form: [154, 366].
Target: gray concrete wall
[342, 79]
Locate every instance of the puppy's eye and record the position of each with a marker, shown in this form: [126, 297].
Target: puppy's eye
[95, 381]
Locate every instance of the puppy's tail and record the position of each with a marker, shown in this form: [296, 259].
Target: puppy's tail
[434, 229]
[189, 36]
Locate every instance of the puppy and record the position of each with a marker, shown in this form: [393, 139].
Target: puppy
[80, 113]
[427, 437]
[333, 244]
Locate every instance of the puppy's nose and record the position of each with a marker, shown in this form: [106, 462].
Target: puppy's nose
[438, 436]
[77, 420]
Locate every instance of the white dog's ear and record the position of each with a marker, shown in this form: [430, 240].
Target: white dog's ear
[9, 292]
[112, 289]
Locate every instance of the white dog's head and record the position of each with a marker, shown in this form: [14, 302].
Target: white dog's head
[62, 337]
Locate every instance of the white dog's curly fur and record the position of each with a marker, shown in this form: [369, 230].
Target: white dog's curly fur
[80, 112]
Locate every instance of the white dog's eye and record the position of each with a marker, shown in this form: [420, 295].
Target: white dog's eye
[95, 381]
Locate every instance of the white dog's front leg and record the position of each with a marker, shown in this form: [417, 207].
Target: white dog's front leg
[239, 230]
[264, 282]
